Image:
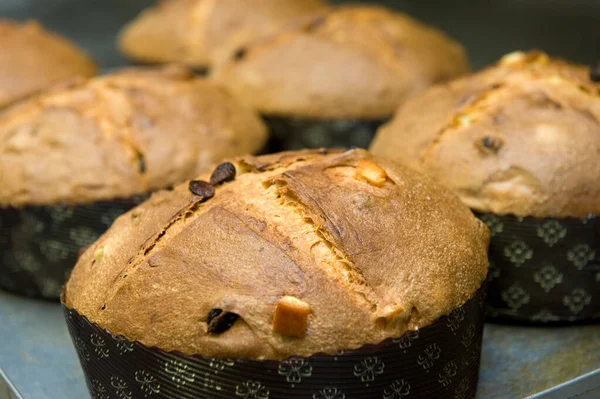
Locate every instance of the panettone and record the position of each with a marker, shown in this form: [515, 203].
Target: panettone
[521, 137]
[199, 33]
[32, 59]
[119, 135]
[75, 157]
[349, 62]
[286, 254]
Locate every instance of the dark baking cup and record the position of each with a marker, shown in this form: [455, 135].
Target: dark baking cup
[39, 245]
[543, 270]
[438, 361]
[287, 134]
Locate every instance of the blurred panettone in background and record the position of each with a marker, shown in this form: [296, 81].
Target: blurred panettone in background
[75, 157]
[521, 137]
[33, 58]
[347, 62]
[200, 33]
[331, 80]
[118, 135]
[519, 142]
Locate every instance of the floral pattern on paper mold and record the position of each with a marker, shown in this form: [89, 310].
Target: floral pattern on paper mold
[295, 369]
[551, 232]
[518, 252]
[398, 390]
[369, 368]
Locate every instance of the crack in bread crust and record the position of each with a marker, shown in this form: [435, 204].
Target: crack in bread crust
[330, 257]
[464, 116]
[195, 208]
[535, 65]
[107, 122]
[149, 247]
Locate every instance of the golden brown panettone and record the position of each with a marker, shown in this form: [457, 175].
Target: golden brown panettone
[200, 32]
[32, 59]
[119, 135]
[521, 137]
[289, 254]
[348, 62]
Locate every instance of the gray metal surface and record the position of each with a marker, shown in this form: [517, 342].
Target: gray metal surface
[585, 387]
[37, 356]
[7, 388]
[522, 361]
[35, 350]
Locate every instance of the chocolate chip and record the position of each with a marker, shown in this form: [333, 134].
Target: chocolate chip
[212, 314]
[219, 322]
[240, 54]
[141, 162]
[595, 72]
[224, 172]
[202, 189]
[491, 144]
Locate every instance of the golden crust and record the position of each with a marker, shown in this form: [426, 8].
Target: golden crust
[521, 137]
[32, 58]
[368, 262]
[348, 62]
[199, 33]
[119, 135]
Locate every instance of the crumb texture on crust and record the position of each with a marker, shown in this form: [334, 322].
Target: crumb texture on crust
[294, 233]
[521, 137]
[200, 33]
[119, 135]
[33, 58]
[347, 62]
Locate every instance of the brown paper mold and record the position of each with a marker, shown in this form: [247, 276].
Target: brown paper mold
[544, 270]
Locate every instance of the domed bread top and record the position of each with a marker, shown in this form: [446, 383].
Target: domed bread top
[200, 32]
[349, 62]
[119, 135]
[32, 58]
[521, 137]
[296, 255]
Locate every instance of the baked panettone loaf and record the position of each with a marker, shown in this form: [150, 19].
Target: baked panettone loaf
[348, 62]
[200, 32]
[32, 59]
[119, 135]
[286, 254]
[521, 137]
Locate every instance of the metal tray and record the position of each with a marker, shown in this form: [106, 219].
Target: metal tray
[36, 355]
